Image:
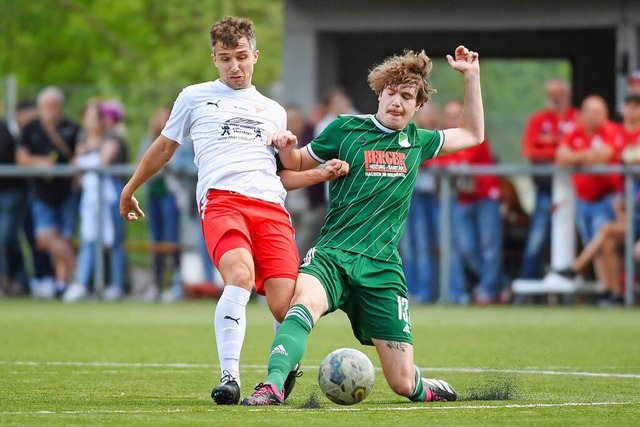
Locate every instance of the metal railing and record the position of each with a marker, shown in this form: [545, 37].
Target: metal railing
[445, 175]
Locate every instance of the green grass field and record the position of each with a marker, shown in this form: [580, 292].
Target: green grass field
[134, 364]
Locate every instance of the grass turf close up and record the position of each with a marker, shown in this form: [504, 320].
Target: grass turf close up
[136, 364]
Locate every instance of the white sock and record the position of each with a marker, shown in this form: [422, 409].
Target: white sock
[230, 325]
[276, 326]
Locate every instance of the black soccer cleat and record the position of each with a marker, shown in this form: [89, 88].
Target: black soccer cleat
[290, 381]
[439, 391]
[227, 393]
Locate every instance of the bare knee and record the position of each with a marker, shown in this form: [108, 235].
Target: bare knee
[237, 273]
[279, 310]
[404, 386]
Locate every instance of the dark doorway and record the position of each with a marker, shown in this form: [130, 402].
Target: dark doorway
[591, 52]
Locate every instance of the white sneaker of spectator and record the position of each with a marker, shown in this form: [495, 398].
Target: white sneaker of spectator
[152, 294]
[112, 293]
[75, 293]
[174, 294]
[44, 288]
[555, 282]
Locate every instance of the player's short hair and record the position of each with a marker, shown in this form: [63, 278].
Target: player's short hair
[229, 30]
[410, 69]
[50, 92]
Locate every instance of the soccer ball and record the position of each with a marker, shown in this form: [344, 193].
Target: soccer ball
[346, 376]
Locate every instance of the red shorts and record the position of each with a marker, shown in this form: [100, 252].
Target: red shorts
[230, 221]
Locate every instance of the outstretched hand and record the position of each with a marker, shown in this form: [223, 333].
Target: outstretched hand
[465, 60]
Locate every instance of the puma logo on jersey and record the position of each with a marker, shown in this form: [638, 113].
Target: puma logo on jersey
[231, 318]
[214, 103]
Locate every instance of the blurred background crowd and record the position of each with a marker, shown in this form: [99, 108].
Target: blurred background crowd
[53, 228]
[547, 102]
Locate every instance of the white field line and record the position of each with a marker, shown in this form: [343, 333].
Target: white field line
[329, 409]
[263, 368]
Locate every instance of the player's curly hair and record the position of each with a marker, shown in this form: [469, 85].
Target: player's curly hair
[229, 30]
[410, 69]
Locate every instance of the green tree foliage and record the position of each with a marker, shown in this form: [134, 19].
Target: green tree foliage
[123, 42]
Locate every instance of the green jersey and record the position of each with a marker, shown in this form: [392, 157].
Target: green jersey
[368, 207]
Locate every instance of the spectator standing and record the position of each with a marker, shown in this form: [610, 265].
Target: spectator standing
[12, 209]
[306, 206]
[545, 129]
[112, 116]
[50, 140]
[26, 112]
[478, 222]
[594, 142]
[163, 216]
[420, 238]
[95, 148]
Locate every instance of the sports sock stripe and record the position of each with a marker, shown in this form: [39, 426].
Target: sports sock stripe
[301, 313]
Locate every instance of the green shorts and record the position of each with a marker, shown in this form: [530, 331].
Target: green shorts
[373, 293]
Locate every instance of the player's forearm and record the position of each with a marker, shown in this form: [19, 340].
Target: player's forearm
[291, 160]
[294, 180]
[472, 117]
[156, 157]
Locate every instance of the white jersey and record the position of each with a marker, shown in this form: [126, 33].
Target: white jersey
[230, 129]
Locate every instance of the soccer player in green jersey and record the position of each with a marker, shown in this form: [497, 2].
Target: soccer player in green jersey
[355, 265]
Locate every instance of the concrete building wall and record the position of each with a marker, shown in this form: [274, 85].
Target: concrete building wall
[311, 60]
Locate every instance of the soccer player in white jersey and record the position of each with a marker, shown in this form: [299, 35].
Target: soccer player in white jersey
[247, 230]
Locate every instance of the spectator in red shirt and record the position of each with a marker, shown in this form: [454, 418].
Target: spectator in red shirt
[543, 134]
[478, 223]
[611, 236]
[594, 142]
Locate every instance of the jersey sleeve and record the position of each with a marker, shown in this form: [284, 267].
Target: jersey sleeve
[325, 146]
[179, 123]
[432, 141]
[282, 125]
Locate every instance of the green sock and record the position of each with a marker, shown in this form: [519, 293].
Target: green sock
[289, 344]
[419, 394]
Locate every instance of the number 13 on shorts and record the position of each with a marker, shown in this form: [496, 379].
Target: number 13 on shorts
[403, 309]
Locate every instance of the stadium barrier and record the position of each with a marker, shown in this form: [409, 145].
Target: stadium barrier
[446, 176]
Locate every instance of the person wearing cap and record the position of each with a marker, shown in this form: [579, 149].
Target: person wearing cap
[633, 83]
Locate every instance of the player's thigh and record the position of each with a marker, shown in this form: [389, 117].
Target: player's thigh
[379, 305]
[235, 262]
[274, 248]
[321, 284]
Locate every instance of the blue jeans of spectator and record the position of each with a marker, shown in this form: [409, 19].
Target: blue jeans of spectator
[117, 255]
[591, 216]
[60, 218]
[538, 237]
[417, 246]
[164, 225]
[478, 234]
[163, 217]
[457, 281]
[11, 215]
